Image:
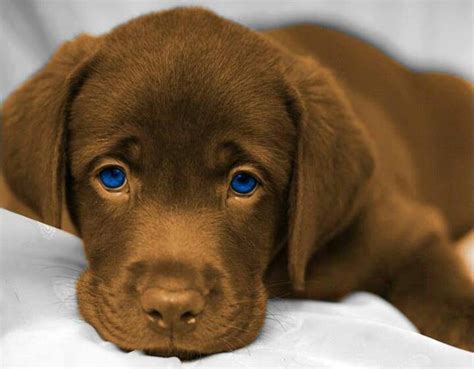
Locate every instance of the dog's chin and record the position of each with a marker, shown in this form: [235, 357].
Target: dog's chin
[133, 333]
[187, 352]
[231, 340]
[181, 354]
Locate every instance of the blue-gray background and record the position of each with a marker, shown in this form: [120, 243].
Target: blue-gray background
[425, 34]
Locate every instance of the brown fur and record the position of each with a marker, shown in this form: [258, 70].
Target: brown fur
[363, 166]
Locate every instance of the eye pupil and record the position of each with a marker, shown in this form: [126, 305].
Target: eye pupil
[112, 177]
[243, 183]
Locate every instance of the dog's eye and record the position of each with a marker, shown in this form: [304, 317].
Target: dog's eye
[113, 178]
[243, 183]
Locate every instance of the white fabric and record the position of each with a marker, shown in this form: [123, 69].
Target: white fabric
[41, 327]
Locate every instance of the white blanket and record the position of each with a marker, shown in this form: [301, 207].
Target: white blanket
[41, 327]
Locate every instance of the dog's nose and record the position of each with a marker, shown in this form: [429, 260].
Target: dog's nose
[177, 310]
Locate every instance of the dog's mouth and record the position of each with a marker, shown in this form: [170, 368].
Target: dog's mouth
[118, 318]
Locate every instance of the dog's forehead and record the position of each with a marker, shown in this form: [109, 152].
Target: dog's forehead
[179, 111]
[196, 129]
[183, 95]
[188, 59]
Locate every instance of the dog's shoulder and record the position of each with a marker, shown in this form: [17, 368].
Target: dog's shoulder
[363, 70]
[342, 51]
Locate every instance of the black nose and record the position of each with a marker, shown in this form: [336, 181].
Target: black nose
[176, 310]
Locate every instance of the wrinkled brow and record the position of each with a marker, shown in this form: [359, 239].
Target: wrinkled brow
[126, 149]
[267, 160]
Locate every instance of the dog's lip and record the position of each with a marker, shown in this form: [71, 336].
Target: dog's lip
[105, 329]
[169, 345]
[185, 355]
[178, 346]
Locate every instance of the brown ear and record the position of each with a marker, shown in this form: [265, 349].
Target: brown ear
[333, 163]
[34, 128]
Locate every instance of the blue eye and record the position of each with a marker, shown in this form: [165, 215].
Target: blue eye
[243, 183]
[112, 177]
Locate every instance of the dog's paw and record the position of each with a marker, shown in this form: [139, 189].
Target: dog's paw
[458, 329]
[463, 331]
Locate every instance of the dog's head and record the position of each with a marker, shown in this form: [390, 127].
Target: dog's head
[189, 151]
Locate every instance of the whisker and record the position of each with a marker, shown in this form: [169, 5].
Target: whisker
[286, 294]
[46, 267]
[283, 283]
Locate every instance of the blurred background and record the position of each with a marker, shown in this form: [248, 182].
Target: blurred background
[423, 34]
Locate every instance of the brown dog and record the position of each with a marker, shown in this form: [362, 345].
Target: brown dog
[207, 166]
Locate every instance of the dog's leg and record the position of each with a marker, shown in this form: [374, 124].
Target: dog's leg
[427, 279]
[400, 249]
[432, 289]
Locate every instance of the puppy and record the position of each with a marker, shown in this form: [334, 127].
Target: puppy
[207, 167]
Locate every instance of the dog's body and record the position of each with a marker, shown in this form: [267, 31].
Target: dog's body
[406, 113]
[375, 170]
[430, 115]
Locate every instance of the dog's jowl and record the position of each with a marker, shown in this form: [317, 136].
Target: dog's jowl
[207, 167]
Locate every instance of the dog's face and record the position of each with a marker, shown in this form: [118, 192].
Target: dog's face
[190, 151]
[203, 165]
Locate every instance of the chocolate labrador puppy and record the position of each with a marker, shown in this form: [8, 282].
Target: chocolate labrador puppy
[207, 166]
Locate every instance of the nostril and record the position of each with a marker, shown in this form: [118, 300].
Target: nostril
[154, 314]
[188, 317]
[157, 317]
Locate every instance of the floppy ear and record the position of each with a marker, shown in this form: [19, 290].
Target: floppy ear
[334, 161]
[34, 129]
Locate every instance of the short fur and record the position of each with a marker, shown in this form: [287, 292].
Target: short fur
[364, 169]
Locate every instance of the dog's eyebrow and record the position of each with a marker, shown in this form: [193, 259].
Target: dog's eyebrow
[231, 153]
[126, 149]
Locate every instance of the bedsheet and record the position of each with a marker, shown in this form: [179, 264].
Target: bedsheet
[41, 326]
